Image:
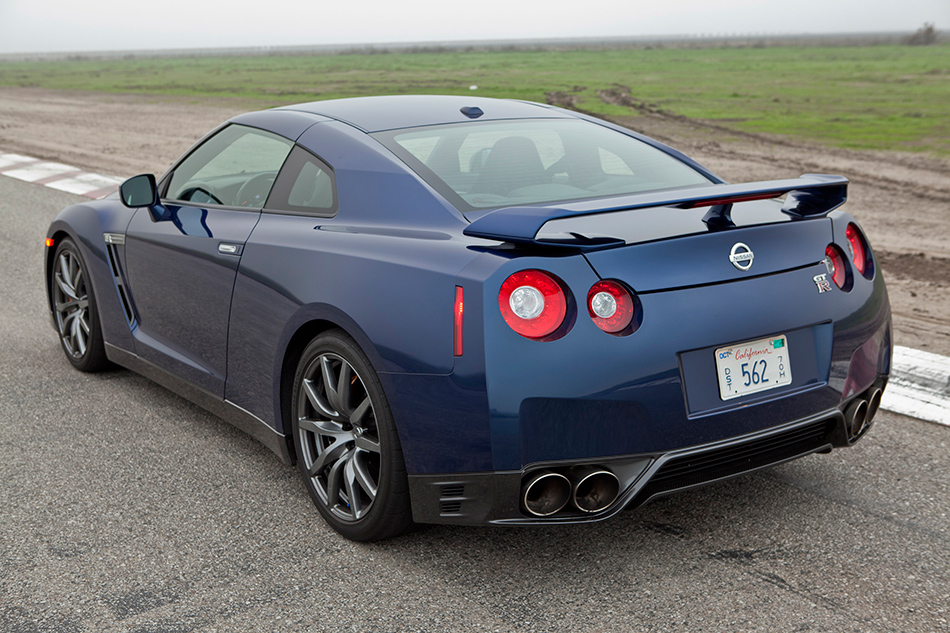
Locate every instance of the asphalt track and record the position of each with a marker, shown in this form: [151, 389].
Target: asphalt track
[125, 508]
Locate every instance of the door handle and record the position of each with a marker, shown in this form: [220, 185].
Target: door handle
[230, 249]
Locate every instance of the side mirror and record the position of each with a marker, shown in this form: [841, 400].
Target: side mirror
[141, 191]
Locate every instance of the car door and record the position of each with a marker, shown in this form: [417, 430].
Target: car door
[181, 266]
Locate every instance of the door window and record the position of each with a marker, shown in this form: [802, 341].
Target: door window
[236, 167]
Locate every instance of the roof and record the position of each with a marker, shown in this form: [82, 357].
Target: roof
[375, 114]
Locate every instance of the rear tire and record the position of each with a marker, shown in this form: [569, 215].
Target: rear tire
[75, 310]
[347, 448]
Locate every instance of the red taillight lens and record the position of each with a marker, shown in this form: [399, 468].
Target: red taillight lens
[533, 303]
[835, 263]
[611, 306]
[459, 305]
[856, 245]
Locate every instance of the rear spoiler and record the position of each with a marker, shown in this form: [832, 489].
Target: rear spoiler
[811, 196]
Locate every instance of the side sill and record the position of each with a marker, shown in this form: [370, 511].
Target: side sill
[227, 411]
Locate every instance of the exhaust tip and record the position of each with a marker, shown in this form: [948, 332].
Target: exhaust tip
[857, 416]
[595, 489]
[545, 493]
[874, 403]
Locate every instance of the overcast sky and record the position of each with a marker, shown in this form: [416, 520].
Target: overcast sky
[31, 26]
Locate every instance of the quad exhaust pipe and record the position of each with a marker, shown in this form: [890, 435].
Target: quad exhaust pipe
[587, 488]
[861, 412]
[874, 403]
[594, 488]
[545, 493]
[856, 416]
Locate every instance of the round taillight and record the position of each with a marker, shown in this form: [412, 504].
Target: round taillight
[834, 261]
[533, 303]
[856, 246]
[611, 306]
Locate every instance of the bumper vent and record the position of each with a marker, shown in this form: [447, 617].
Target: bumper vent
[712, 465]
[450, 499]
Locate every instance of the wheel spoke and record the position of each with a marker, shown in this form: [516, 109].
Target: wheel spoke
[343, 388]
[362, 475]
[68, 317]
[66, 289]
[82, 304]
[317, 401]
[335, 483]
[75, 336]
[328, 428]
[77, 279]
[356, 417]
[367, 443]
[329, 383]
[352, 489]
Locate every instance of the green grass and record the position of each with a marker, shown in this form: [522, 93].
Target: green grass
[875, 97]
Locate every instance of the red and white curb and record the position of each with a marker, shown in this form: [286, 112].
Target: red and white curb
[919, 384]
[58, 176]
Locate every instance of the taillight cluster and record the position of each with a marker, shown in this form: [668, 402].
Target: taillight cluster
[611, 306]
[535, 304]
[860, 258]
[858, 248]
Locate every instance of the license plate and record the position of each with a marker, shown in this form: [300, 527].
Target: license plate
[753, 367]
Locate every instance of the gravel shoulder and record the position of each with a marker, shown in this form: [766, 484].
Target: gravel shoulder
[901, 199]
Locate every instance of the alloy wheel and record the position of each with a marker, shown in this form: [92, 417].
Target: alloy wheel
[339, 436]
[71, 304]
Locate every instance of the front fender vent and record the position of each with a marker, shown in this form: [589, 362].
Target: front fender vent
[112, 248]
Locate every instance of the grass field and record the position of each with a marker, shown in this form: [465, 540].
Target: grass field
[873, 97]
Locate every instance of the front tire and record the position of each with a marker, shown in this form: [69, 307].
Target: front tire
[75, 310]
[347, 448]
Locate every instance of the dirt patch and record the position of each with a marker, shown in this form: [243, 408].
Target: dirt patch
[916, 266]
[116, 135]
[902, 200]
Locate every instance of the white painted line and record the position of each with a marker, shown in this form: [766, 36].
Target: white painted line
[919, 385]
[85, 183]
[58, 176]
[14, 159]
[39, 170]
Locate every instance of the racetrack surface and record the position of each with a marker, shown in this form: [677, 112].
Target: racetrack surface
[900, 199]
[125, 508]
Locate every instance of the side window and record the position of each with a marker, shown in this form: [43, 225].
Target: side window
[305, 186]
[236, 167]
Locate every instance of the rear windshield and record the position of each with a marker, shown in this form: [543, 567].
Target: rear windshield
[492, 164]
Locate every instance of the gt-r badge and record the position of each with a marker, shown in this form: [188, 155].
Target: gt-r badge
[822, 282]
[741, 256]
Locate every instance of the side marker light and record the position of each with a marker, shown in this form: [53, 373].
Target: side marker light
[459, 309]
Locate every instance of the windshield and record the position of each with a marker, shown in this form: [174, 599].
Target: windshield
[491, 164]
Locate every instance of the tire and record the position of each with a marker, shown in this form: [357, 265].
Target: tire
[75, 311]
[347, 448]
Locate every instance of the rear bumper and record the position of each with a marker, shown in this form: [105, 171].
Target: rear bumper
[495, 497]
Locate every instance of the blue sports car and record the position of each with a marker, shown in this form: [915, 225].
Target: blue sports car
[476, 311]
